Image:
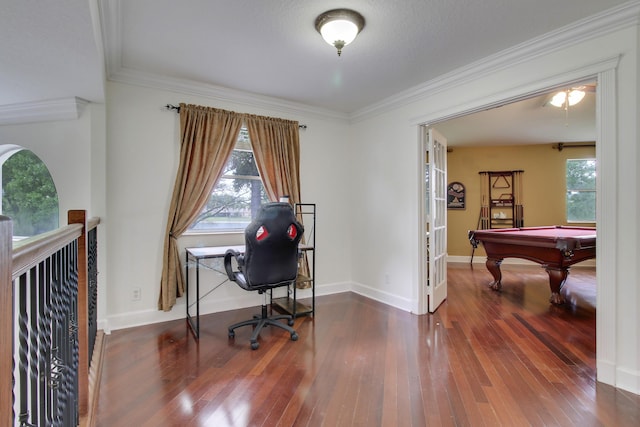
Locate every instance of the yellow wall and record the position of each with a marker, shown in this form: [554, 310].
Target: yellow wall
[543, 185]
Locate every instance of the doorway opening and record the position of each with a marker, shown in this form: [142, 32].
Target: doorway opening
[606, 211]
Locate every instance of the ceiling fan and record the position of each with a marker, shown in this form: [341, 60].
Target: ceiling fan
[569, 97]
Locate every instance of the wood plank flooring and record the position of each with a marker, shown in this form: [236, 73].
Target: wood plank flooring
[483, 359]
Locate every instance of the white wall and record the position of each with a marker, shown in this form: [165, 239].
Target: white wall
[384, 240]
[73, 151]
[53, 142]
[384, 206]
[142, 159]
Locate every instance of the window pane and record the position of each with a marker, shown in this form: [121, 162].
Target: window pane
[241, 163]
[29, 195]
[232, 205]
[581, 174]
[236, 198]
[581, 190]
[581, 206]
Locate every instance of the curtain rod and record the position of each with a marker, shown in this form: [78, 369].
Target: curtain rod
[176, 108]
[561, 145]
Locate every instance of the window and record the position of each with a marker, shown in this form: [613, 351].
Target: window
[29, 195]
[235, 199]
[581, 190]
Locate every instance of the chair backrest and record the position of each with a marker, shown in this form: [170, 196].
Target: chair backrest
[271, 252]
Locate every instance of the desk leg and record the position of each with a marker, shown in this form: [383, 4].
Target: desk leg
[493, 265]
[195, 329]
[557, 279]
[186, 286]
[197, 299]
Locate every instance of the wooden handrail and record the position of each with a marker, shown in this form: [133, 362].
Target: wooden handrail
[29, 252]
[15, 260]
[92, 223]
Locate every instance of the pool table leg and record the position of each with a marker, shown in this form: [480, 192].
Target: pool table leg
[493, 265]
[557, 278]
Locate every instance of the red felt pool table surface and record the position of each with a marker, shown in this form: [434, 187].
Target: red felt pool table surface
[556, 248]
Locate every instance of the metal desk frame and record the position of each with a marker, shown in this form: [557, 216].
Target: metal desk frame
[197, 255]
[211, 252]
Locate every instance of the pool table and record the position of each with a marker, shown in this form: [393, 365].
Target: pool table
[555, 247]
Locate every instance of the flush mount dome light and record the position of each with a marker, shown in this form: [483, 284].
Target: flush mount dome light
[339, 27]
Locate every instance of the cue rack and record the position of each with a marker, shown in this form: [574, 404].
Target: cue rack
[501, 200]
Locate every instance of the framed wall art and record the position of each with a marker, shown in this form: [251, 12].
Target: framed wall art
[456, 195]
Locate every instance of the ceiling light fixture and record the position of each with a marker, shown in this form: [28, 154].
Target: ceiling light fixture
[569, 97]
[339, 27]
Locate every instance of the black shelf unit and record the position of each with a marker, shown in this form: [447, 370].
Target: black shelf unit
[501, 200]
[306, 213]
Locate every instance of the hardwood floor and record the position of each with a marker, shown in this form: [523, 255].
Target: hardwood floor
[483, 359]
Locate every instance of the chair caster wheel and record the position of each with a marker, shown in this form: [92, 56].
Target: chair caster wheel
[290, 322]
[254, 346]
[294, 337]
[232, 334]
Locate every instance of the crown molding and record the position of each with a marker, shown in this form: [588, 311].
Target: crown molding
[615, 19]
[111, 17]
[598, 25]
[42, 111]
[576, 76]
[219, 93]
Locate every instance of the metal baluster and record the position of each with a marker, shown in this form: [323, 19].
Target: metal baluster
[74, 355]
[34, 381]
[56, 321]
[65, 355]
[45, 341]
[92, 267]
[23, 351]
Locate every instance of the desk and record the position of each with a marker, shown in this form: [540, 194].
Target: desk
[197, 256]
[556, 248]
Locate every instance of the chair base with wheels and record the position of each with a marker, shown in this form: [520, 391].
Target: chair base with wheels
[264, 320]
[270, 261]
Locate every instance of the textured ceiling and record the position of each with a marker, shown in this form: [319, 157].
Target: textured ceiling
[48, 51]
[63, 48]
[272, 48]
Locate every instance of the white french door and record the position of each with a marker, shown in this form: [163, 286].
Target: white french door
[434, 220]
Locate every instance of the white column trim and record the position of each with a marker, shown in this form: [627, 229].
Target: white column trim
[607, 223]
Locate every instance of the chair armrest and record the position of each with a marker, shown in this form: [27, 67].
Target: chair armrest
[235, 276]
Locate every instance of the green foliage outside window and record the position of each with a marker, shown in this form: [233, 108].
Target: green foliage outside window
[237, 196]
[581, 190]
[29, 195]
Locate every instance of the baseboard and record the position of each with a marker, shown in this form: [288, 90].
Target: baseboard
[627, 380]
[606, 372]
[208, 306]
[383, 297]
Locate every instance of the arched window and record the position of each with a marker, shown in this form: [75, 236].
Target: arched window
[29, 195]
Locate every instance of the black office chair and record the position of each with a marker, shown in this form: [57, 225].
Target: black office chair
[270, 260]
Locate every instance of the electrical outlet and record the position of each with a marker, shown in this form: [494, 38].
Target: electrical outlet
[386, 279]
[136, 294]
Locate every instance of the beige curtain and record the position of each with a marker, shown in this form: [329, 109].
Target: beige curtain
[208, 136]
[276, 147]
